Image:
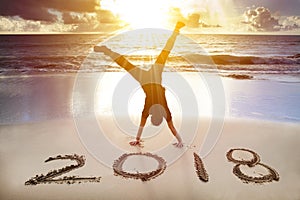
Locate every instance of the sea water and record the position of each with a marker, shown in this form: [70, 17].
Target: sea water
[260, 56]
[270, 63]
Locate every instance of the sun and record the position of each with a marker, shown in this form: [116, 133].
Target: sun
[140, 13]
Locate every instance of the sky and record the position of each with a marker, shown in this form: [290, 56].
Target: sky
[204, 16]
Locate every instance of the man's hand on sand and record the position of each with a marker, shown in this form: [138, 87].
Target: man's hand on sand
[136, 143]
[178, 144]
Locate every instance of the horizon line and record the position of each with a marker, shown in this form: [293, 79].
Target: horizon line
[184, 33]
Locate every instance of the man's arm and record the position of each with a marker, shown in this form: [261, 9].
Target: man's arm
[137, 142]
[179, 144]
[134, 71]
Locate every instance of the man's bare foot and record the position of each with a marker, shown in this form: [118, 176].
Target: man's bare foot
[178, 144]
[179, 25]
[101, 49]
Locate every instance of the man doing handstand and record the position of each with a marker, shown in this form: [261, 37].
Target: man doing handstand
[150, 80]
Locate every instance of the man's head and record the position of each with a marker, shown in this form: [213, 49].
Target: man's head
[157, 113]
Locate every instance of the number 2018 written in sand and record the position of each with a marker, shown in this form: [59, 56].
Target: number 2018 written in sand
[51, 176]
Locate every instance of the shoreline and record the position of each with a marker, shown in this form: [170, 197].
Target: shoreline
[31, 98]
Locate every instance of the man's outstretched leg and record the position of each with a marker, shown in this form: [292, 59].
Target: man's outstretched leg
[118, 58]
[164, 54]
[121, 61]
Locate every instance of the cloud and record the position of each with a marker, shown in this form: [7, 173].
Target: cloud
[100, 21]
[78, 18]
[290, 23]
[76, 15]
[287, 8]
[261, 19]
[39, 9]
[106, 16]
[17, 24]
[193, 20]
[87, 15]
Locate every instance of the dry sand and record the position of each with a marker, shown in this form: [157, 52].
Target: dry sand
[24, 147]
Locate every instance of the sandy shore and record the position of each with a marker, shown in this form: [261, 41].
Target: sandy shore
[24, 148]
[37, 123]
[42, 97]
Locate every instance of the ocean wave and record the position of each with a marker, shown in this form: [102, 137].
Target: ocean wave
[54, 58]
[225, 64]
[239, 76]
[242, 60]
[41, 61]
[222, 59]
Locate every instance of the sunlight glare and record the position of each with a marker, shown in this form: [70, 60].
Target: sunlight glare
[139, 13]
[164, 13]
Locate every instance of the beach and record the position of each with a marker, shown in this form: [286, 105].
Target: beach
[41, 117]
[131, 99]
[68, 114]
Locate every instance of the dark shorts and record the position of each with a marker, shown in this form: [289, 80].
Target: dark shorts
[156, 96]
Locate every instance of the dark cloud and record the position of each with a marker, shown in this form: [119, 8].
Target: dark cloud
[38, 9]
[55, 16]
[25, 10]
[77, 18]
[99, 17]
